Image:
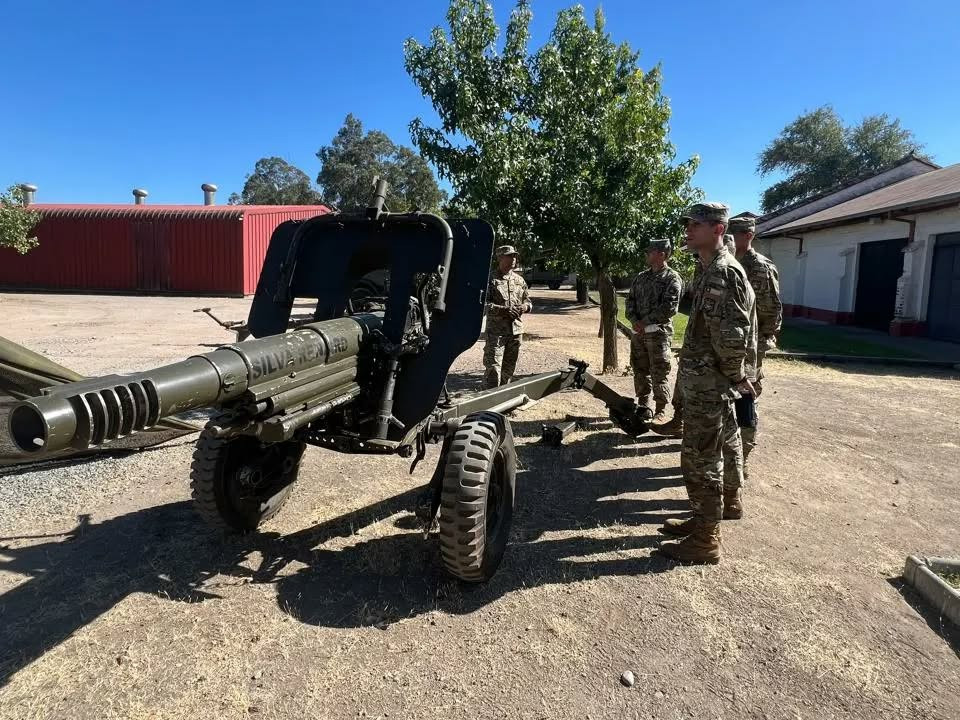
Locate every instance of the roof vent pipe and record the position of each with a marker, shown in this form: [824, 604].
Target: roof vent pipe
[29, 193]
[139, 196]
[209, 194]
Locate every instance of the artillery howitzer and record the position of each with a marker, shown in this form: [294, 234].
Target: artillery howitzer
[352, 381]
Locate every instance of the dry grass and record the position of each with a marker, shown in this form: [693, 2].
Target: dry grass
[952, 579]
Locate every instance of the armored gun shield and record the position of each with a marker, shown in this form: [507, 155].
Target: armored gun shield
[328, 257]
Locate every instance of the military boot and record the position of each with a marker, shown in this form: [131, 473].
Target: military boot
[702, 546]
[679, 528]
[672, 428]
[659, 416]
[732, 504]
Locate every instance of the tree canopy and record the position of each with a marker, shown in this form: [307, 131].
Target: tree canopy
[16, 221]
[818, 152]
[274, 181]
[350, 163]
[564, 150]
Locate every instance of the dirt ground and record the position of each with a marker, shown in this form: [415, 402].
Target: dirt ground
[116, 603]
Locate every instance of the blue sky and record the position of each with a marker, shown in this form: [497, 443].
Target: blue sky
[100, 97]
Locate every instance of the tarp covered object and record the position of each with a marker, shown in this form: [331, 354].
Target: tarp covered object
[24, 374]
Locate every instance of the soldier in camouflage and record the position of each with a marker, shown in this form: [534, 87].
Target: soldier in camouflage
[765, 280]
[674, 426]
[717, 364]
[734, 444]
[507, 300]
[650, 307]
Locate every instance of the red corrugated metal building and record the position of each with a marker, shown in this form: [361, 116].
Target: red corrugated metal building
[198, 249]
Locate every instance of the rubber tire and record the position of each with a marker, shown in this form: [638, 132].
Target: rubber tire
[555, 284]
[208, 484]
[481, 446]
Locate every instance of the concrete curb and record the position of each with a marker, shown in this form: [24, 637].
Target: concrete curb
[921, 574]
[864, 360]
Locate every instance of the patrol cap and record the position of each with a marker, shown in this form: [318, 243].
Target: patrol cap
[707, 212]
[662, 244]
[506, 250]
[742, 224]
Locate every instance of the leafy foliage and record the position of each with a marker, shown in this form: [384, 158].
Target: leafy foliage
[354, 158]
[564, 150]
[820, 153]
[274, 181]
[17, 221]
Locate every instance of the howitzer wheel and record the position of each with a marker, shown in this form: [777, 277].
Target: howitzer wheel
[239, 483]
[476, 502]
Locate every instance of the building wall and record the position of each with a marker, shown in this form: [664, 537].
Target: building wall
[257, 230]
[783, 253]
[100, 256]
[821, 282]
[151, 250]
[114, 254]
[929, 225]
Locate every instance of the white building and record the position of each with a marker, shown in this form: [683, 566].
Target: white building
[888, 258]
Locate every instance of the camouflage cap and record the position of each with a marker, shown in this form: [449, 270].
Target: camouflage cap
[506, 250]
[729, 243]
[742, 224]
[707, 212]
[662, 244]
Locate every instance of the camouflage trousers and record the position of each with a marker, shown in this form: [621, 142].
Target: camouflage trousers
[677, 401]
[650, 360]
[736, 447]
[500, 354]
[749, 436]
[710, 453]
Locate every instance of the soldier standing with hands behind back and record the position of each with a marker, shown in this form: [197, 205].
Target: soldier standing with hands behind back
[715, 367]
[507, 300]
[650, 307]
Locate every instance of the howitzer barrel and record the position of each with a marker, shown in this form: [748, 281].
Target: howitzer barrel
[89, 413]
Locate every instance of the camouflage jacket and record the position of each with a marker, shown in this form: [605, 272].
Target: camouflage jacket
[653, 298]
[720, 344]
[505, 292]
[765, 280]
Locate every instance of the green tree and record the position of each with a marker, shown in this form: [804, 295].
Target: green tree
[566, 149]
[818, 152]
[350, 163]
[17, 221]
[274, 181]
[484, 145]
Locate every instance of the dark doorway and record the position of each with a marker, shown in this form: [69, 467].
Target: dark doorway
[153, 256]
[943, 310]
[881, 265]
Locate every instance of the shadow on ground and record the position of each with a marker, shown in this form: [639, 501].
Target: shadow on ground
[76, 577]
[559, 306]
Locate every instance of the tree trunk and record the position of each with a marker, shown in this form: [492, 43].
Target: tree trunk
[608, 320]
[581, 290]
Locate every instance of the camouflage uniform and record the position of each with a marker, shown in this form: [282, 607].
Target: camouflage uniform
[652, 303]
[685, 294]
[504, 335]
[765, 281]
[719, 350]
